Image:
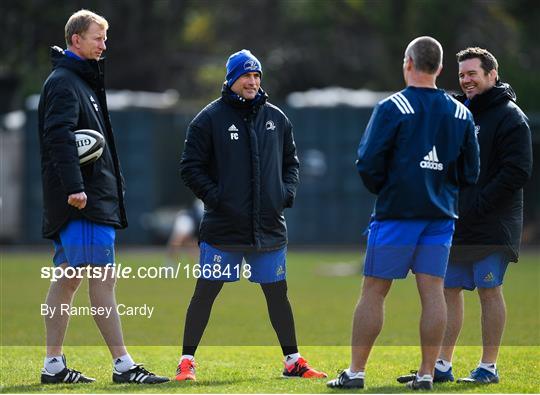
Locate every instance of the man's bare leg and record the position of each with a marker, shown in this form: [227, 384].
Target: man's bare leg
[454, 322]
[102, 294]
[493, 321]
[432, 320]
[368, 320]
[61, 292]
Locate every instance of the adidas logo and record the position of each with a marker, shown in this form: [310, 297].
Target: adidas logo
[489, 277]
[280, 271]
[54, 360]
[233, 128]
[431, 161]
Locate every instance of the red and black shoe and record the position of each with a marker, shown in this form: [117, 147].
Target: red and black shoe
[301, 369]
[186, 370]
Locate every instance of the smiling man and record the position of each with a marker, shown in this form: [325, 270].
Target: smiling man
[488, 234]
[240, 160]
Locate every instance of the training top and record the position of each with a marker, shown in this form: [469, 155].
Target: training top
[418, 148]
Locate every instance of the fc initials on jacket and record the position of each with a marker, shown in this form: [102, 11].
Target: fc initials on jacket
[234, 132]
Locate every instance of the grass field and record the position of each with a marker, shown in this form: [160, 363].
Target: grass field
[239, 352]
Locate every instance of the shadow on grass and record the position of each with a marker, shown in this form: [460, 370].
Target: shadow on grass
[171, 386]
[205, 383]
[401, 388]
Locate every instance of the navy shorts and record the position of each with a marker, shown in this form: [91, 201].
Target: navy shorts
[397, 246]
[82, 242]
[259, 267]
[485, 273]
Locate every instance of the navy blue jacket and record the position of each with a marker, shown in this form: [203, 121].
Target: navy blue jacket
[240, 160]
[418, 148]
[491, 212]
[73, 98]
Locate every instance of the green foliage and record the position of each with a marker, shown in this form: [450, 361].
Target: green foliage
[158, 45]
[198, 28]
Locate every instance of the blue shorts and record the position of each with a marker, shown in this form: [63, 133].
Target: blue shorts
[485, 273]
[82, 242]
[260, 267]
[397, 246]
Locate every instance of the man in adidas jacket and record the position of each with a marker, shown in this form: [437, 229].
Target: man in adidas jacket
[418, 148]
[488, 232]
[240, 160]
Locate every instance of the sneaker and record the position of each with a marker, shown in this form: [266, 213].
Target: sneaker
[137, 374]
[66, 376]
[439, 377]
[301, 369]
[344, 381]
[185, 370]
[481, 376]
[416, 384]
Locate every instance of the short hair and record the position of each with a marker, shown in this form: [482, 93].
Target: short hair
[488, 62]
[80, 21]
[426, 54]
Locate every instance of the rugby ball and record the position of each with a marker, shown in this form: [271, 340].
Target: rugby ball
[90, 144]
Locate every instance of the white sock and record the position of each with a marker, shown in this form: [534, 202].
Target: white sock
[292, 358]
[426, 377]
[442, 365]
[354, 375]
[491, 367]
[187, 356]
[54, 364]
[123, 363]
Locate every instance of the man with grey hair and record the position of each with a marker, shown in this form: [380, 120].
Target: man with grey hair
[418, 148]
[83, 205]
[426, 54]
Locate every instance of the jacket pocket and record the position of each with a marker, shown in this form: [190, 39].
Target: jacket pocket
[287, 196]
[212, 198]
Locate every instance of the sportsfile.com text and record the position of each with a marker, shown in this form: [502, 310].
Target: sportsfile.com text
[117, 271]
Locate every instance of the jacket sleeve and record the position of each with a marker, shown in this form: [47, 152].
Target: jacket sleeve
[59, 122]
[290, 166]
[195, 164]
[514, 155]
[469, 159]
[374, 148]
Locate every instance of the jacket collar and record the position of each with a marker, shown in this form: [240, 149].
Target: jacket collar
[89, 70]
[501, 92]
[238, 102]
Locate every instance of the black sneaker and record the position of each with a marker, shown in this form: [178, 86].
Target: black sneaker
[415, 384]
[66, 376]
[137, 374]
[344, 381]
[440, 377]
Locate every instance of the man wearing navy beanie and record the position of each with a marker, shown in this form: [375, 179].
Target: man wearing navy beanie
[240, 63]
[240, 160]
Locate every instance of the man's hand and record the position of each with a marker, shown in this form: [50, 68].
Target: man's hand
[77, 200]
